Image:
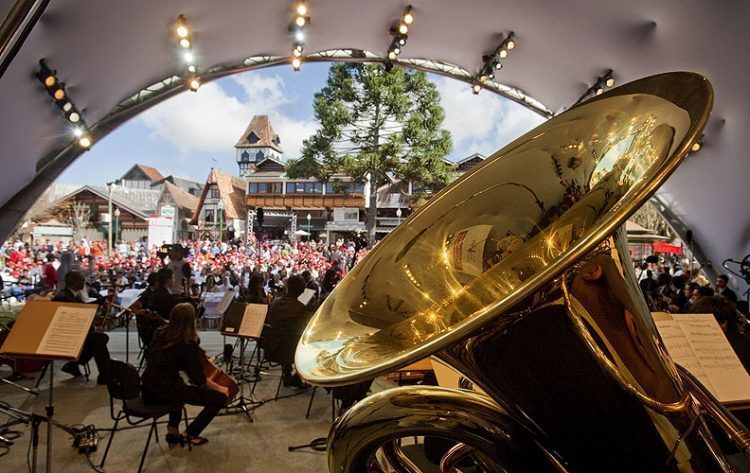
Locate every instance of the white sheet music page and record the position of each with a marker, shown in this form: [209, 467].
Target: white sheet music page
[720, 363]
[679, 347]
[306, 296]
[252, 321]
[67, 331]
[223, 305]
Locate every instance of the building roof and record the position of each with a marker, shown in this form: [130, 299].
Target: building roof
[231, 191]
[472, 157]
[265, 137]
[182, 199]
[182, 183]
[151, 173]
[119, 200]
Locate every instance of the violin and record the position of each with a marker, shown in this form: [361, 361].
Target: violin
[218, 376]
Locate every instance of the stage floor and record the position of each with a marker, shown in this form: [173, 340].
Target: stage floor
[234, 443]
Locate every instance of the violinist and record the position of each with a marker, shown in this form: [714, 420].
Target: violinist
[174, 349]
[95, 345]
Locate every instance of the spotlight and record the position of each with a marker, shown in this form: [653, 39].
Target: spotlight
[188, 56]
[403, 28]
[299, 36]
[78, 132]
[503, 53]
[301, 8]
[184, 43]
[191, 68]
[408, 17]
[610, 82]
[182, 31]
[300, 21]
[299, 47]
[499, 66]
[49, 81]
[402, 40]
[67, 106]
[476, 88]
[296, 52]
[85, 142]
[74, 117]
[194, 83]
[599, 91]
[59, 94]
[491, 76]
[392, 55]
[511, 44]
[296, 63]
[397, 50]
[696, 147]
[483, 78]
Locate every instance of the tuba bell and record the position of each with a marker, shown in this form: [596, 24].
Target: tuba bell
[518, 276]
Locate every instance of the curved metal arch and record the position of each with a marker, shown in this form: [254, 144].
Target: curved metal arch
[51, 166]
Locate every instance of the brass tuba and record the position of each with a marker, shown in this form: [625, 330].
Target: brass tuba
[518, 276]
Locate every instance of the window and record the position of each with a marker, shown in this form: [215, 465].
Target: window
[259, 156]
[215, 194]
[264, 188]
[252, 138]
[245, 157]
[290, 188]
[358, 187]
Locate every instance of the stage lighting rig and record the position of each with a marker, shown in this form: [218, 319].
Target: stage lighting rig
[296, 28]
[56, 89]
[602, 83]
[185, 45]
[400, 33]
[491, 62]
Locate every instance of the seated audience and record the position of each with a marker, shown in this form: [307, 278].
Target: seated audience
[726, 315]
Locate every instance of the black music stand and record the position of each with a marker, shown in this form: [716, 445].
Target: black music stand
[244, 321]
[50, 331]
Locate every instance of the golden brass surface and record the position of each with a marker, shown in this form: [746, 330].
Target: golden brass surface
[518, 276]
[504, 229]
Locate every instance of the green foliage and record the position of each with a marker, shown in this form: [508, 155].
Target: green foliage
[374, 122]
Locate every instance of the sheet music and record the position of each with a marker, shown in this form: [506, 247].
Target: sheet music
[306, 296]
[67, 332]
[226, 299]
[253, 320]
[696, 342]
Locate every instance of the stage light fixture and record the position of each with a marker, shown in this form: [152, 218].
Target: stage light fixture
[610, 82]
[503, 53]
[403, 28]
[194, 83]
[301, 9]
[696, 147]
[499, 66]
[602, 82]
[599, 91]
[402, 40]
[296, 63]
[408, 16]
[59, 94]
[299, 36]
[476, 88]
[85, 141]
[511, 44]
[188, 57]
[74, 117]
[78, 132]
[184, 43]
[300, 21]
[397, 50]
[67, 106]
[296, 52]
[191, 68]
[50, 81]
[392, 55]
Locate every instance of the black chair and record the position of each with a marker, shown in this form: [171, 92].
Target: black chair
[125, 384]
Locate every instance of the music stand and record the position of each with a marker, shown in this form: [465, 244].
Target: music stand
[244, 321]
[49, 331]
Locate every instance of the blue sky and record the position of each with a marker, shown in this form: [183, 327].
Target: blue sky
[188, 134]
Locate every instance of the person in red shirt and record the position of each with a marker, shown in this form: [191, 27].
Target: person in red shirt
[49, 280]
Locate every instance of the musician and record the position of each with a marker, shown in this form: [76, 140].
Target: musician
[180, 268]
[96, 342]
[162, 300]
[174, 349]
[286, 320]
[147, 320]
[723, 290]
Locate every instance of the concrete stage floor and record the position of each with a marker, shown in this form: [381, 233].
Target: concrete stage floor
[234, 443]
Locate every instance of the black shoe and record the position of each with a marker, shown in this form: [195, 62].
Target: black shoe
[296, 383]
[72, 369]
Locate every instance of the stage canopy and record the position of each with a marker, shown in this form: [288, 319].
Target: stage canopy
[119, 58]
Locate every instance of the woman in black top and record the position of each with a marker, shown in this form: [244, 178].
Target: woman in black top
[174, 348]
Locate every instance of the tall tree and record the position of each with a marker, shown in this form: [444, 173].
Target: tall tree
[374, 122]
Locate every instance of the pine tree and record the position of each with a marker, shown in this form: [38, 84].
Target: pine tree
[373, 123]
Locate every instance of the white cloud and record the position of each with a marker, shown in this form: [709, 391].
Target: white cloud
[212, 120]
[481, 123]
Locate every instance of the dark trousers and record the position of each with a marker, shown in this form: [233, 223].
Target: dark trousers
[212, 402]
[95, 347]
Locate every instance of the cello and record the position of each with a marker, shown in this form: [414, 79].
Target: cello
[218, 376]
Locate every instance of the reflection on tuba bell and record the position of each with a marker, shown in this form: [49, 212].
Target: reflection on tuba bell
[518, 276]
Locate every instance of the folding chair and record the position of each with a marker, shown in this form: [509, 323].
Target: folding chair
[125, 385]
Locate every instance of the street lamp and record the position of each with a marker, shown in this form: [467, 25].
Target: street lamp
[220, 207]
[111, 186]
[309, 227]
[398, 214]
[117, 224]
